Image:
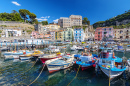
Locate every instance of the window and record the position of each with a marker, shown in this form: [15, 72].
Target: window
[105, 32]
[98, 32]
[105, 29]
[109, 28]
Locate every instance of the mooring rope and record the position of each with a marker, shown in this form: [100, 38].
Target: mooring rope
[75, 76]
[37, 76]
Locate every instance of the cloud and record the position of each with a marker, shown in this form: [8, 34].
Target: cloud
[56, 20]
[45, 17]
[16, 3]
[40, 19]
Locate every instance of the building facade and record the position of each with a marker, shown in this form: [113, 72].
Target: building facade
[104, 34]
[73, 20]
[89, 36]
[79, 35]
[11, 33]
[68, 34]
[122, 34]
[59, 35]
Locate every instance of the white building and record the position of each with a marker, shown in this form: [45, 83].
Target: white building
[79, 35]
[12, 33]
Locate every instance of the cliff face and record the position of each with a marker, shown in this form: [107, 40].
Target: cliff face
[122, 19]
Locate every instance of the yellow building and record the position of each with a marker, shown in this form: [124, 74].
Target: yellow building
[59, 35]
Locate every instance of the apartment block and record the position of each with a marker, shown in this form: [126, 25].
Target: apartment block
[73, 20]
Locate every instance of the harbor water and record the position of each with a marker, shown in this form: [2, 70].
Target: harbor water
[12, 74]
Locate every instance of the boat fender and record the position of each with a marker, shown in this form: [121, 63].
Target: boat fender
[24, 52]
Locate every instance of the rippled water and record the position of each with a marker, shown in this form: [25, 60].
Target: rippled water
[10, 74]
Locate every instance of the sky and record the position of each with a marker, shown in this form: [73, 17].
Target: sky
[52, 10]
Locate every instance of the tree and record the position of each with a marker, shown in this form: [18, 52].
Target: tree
[14, 11]
[32, 17]
[36, 21]
[86, 21]
[44, 22]
[24, 13]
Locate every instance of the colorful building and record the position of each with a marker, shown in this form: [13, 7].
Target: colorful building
[68, 34]
[79, 35]
[104, 34]
[59, 35]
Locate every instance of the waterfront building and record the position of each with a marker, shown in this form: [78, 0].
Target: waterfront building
[68, 34]
[89, 35]
[73, 20]
[79, 35]
[104, 34]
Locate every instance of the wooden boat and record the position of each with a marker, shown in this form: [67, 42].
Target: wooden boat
[57, 64]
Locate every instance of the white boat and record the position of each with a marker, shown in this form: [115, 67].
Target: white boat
[57, 64]
[127, 50]
[74, 47]
[55, 50]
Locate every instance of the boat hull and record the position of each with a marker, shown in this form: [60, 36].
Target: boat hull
[113, 74]
[52, 68]
[25, 58]
[45, 59]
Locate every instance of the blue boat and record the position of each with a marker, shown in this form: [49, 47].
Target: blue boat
[86, 61]
[110, 64]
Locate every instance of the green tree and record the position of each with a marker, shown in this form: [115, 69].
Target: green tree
[44, 22]
[36, 21]
[24, 13]
[86, 21]
[14, 11]
[32, 17]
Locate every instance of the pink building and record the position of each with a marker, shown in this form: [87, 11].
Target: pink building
[104, 34]
[36, 35]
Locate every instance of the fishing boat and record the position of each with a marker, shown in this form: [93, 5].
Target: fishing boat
[57, 64]
[20, 52]
[25, 57]
[119, 49]
[86, 60]
[15, 54]
[110, 64]
[46, 57]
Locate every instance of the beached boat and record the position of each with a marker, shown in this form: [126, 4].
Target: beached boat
[110, 64]
[86, 60]
[57, 64]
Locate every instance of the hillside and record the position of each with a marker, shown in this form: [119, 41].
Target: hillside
[17, 25]
[120, 21]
